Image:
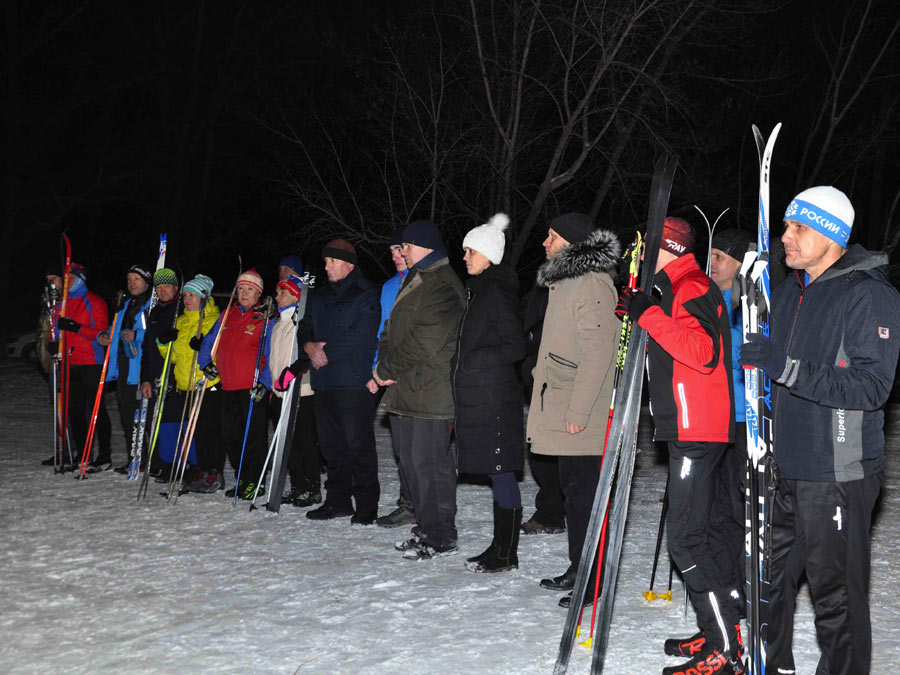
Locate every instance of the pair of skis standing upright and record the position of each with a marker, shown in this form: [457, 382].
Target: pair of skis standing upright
[621, 442]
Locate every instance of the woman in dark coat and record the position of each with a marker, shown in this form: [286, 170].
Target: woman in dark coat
[489, 426]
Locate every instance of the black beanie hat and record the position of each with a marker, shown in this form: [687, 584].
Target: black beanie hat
[396, 236]
[143, 272]
[732, 242]
[423, 233]
[573, 227]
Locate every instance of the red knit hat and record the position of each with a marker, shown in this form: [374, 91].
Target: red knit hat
[252, 278]
[678, 236]
[291, 284]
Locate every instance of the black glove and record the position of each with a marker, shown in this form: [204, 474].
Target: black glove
[196, 342]
[211, 371]
[53, 348]
[65, 323]
[258, 392]
[761, 352]
[168, 336]
[634, 303]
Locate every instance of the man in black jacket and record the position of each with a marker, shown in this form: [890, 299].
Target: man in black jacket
[338, 334]
[833, 358]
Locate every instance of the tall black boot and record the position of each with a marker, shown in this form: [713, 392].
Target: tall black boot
[502, 554]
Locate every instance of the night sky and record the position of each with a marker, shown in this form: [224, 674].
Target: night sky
[268, 128]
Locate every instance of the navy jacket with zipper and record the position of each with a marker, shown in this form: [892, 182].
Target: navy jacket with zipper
[844, 329]
[345, 315]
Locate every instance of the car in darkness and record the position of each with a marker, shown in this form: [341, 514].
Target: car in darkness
[22, 346]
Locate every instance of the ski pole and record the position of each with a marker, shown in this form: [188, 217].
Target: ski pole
[633, 254]
[190, 395]
[89, 441]
[63, 347]
[269, 454]
[186, 442]
[650, 595]
[223, 319]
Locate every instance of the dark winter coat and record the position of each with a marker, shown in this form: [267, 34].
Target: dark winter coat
[419, 340]
[489, 424]
[345, 315]
[534, 306]
[689, 356]
[573, 378]
[161, 319]
[844, 328]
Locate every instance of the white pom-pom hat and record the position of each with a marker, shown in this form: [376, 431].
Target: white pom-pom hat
[488, 239]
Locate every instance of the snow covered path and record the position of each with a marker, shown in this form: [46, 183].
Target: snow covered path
[93, 581]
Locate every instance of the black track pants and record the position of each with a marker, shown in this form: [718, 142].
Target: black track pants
[823, 529]
[693, 478]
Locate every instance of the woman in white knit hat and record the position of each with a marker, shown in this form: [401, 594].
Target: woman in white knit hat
[489, 433]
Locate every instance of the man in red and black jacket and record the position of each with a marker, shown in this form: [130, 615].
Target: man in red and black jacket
[86, 316]
[692, 403]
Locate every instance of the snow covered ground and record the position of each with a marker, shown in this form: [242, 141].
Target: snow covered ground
[93, 581]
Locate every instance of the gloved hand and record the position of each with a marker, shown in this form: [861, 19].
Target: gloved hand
[761, 352]
[634, 303]
[258, 392]
[263, 310]
[296, 369]
[53, 348]
[65, 323]
[196, 342]
[168, 336]
[210, 371]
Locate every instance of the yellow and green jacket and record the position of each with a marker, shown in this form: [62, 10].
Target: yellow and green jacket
[182, 354]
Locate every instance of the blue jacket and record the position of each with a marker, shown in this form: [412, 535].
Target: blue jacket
[389, 290]
[844, 331]
[134, 362]
[345, 315]
[737, 370]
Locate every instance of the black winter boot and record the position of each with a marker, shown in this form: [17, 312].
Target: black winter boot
[490, 549]
[502, 555]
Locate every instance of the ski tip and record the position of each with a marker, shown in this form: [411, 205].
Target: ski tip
[587, 644]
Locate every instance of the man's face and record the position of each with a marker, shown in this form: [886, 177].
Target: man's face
[247, 295]
[337, 269]
[553, 244]
[413, 254]
[56, 280]
[136, 284]
[166, 292]
[283, 297]
[803, 246]
[722, 268]
[397, 257]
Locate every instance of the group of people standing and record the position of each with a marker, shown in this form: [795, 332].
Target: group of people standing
[449, 358]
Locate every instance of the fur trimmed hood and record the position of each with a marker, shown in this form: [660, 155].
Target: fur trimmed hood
[598, 253]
